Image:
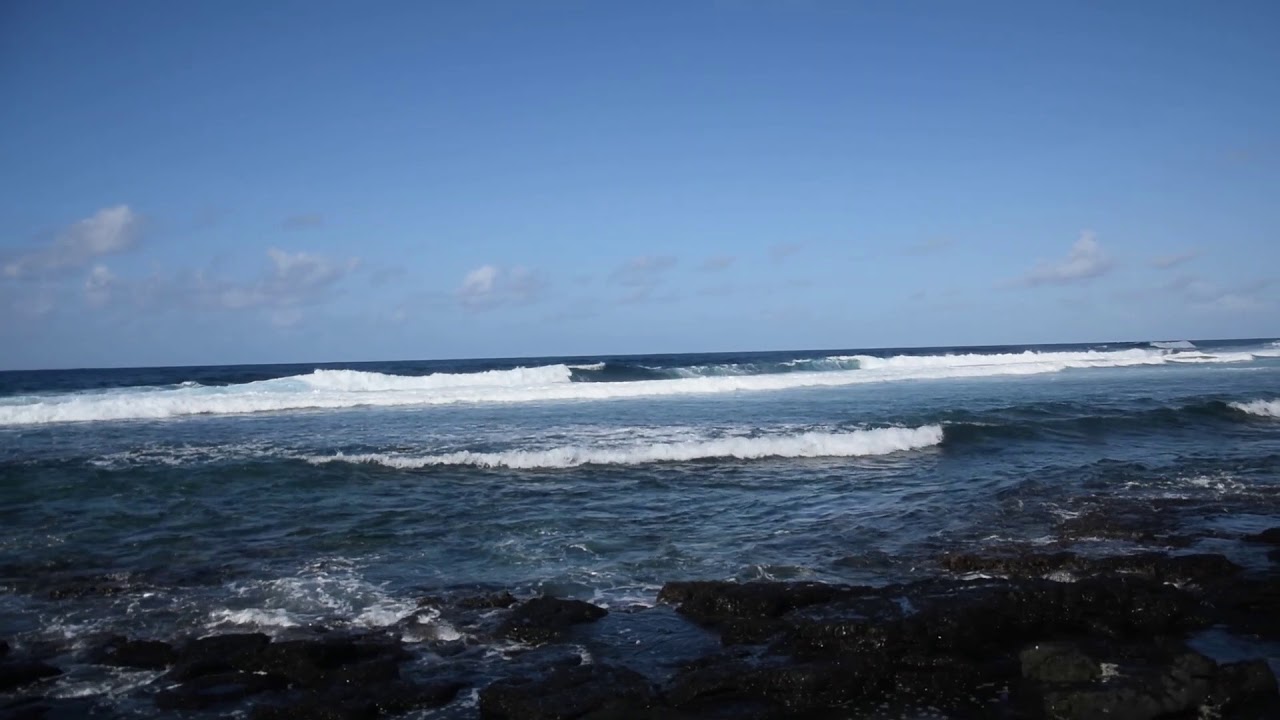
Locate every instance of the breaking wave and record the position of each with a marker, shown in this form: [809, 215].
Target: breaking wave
[881, 441]
[335, 389]
[1265, 408]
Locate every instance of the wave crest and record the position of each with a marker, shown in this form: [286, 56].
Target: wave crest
[1264, 408]
[880, 441]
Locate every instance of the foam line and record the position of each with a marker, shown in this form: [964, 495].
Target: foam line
[880, 441]
[334, 389]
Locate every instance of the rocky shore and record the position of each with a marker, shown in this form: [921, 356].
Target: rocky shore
[1015, 634]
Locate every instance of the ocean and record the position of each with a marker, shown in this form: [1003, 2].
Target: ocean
[175, 502]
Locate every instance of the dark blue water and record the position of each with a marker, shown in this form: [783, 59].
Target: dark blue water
[162, 502]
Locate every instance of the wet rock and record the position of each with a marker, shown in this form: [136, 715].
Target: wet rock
[1269, 537]
[14, 675]
[25, 708]
[318, 708]
[68, 588]
[400, 698]
[360, 702]
[1181, 685]
[1246, 690]
[590, 690]
[1059, 663]
[484, 602]
[209, 690]
[119, 651]
[547, 618]
[1249, 605]
[711, 602]
[318, 663]
[1150, 522]
[1156, 566]
[215, 654]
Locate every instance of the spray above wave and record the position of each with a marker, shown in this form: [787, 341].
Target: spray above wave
[880, 441]
[1264, 408]
[336, 389]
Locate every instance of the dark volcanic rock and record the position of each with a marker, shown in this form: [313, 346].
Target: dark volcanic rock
[716, 601]
[14, 675]
[546, 618]
[1059, 663]
[1249, 605]
[210, 690]
[595, 690]
[1270, 537]
[1165, 568]
[143, 654]
[364, 701]
[1246, 690]
[1180, 685]
[484, 602]
[318, 663]
[216, 654]
[27, 708]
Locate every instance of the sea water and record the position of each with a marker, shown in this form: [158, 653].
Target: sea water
[170, 502]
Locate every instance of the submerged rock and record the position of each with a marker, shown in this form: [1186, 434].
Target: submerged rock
[215, 654]
[217, 689]
[14, 675]
[1269, 537]
[119, 651]
[1156, 566]
[544, 619]
[568, 693]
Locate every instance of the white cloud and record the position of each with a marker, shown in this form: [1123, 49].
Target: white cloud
[1085, 261]
[1164, 262]
[490, 286]
[108, 231]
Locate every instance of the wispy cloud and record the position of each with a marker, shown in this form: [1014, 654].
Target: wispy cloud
[1085, 261]
[106, 232]
[717, 263]
[1206, 296]
[98, 286]
[931, 246]
[641, 276]
[781, 251]
[303, 221]
[491, 286]
[1165, 262]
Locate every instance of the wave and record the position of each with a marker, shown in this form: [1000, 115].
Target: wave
[1264, 408]
[1173, 345]
[336, 389]
[880, 441]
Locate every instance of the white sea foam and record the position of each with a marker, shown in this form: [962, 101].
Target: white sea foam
[879, 441]
[326, 591]
[1174, 345]
[335, 389]
[1265, 408]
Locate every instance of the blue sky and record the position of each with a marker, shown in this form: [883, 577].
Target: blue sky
[221, 182]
